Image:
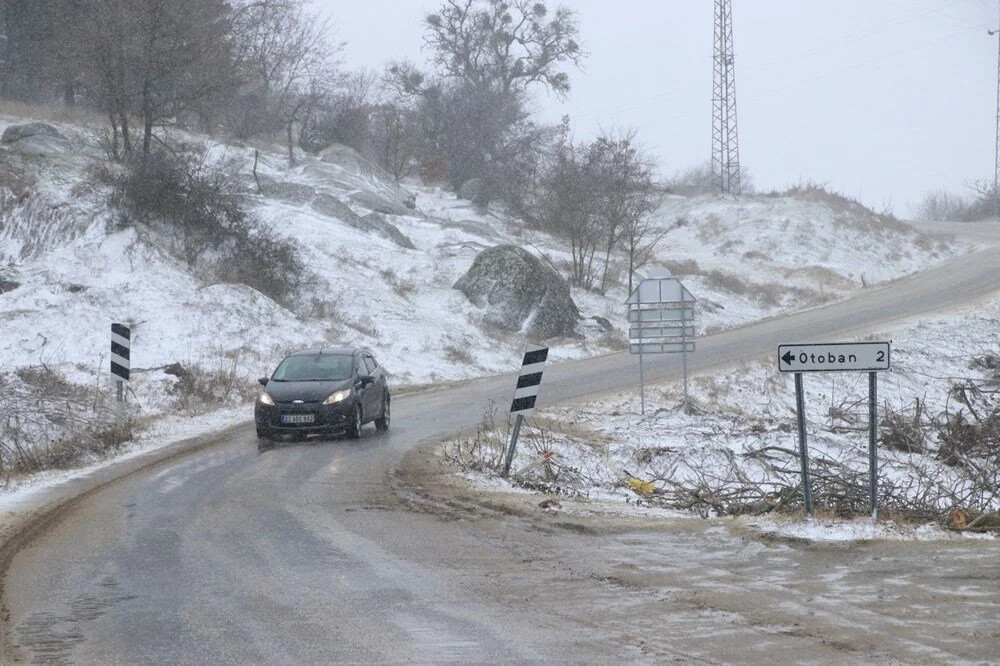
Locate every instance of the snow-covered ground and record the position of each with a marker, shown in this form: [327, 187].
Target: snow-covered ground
[747, 418]
[76, 275]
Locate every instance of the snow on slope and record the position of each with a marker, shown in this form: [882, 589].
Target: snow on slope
[77, 275]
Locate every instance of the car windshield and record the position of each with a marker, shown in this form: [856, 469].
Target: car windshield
[314, 368]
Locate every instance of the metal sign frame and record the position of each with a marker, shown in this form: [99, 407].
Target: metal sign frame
[661, 321]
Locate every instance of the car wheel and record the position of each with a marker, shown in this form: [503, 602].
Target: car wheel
[354, 429]
[382, 423]
[263, 440]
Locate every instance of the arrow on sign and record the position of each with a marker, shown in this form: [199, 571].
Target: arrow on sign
[788, 358]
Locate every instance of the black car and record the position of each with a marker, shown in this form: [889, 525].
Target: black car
[322, 391]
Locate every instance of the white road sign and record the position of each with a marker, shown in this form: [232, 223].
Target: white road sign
[834, 357]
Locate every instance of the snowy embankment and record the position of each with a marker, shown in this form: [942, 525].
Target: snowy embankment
[737, 452]
[67, 273]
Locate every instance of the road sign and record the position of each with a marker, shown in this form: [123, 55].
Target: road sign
[661, 321]
[121, 343]
[834, 357]
[867, 357]
[529, 381]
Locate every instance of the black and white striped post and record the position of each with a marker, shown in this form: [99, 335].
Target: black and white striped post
[121, 343]
[529, 381]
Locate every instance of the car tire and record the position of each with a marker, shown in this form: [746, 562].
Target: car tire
[354, 429]
[382, 422]
[263, 440]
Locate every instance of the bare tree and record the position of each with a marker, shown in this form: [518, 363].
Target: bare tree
[394, 138]
[623, 177]
[473, 114]
[504, 44]
[287, 62]
[152, 59]
[567, 204]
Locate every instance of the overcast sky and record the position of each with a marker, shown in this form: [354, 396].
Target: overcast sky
[882, 100]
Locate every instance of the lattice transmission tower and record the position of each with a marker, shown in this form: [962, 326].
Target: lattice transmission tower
[725, 137]
[996, 150]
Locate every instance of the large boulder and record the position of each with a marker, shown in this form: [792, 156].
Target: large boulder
[331, 206]
[354, 169]
[35, 139]
[327, 204]
[520, 293]
[292, 193]
[379, 204]
[388, 230]
[17, 132]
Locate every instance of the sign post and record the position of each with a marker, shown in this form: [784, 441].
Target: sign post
[121, 342]
[870, 357]
[529, 381]
[661, 321]
[800, 409]
[872, 436]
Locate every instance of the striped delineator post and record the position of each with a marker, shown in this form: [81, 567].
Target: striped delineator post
[121, 343]
[529, 381]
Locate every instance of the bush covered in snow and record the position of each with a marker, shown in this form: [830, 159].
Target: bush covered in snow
[198, 204]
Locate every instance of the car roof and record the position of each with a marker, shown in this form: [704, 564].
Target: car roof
[339, 351]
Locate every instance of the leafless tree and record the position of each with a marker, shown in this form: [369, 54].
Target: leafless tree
[626, 195]
[154, 60]
[567, 204]
[394, 137]
[287, 61]
[473, 112]
[504, 44]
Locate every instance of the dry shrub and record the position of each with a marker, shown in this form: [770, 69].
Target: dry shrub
[16, 180]
[198, 205]
[900, 431]
[47, 422]
[35, 226]
[199, 389]
[459, 356]
[683, 267]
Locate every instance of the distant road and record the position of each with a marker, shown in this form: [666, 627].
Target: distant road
[359, 551]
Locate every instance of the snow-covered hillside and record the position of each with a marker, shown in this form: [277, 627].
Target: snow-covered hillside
[738, 448]
[68, 274]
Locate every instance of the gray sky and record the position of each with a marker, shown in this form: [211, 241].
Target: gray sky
[882, 100]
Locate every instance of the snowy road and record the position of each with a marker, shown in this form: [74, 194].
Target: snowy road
[361, 551]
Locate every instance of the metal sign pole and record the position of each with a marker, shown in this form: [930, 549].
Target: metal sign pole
[513, 444]
[872, 436]
[800, 406]
[685, 355]
[642, 383]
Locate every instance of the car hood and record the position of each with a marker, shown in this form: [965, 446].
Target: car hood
[305, 391]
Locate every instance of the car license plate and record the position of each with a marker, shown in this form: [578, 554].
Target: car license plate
[298, 418]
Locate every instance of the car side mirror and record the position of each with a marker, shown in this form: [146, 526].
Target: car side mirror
[262, 381]
[365, 380]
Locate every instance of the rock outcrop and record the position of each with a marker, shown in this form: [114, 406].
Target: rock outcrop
[35, 139]
[519, 292]
[331, 206]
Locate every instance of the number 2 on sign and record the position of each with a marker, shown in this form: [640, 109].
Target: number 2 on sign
[881, 357]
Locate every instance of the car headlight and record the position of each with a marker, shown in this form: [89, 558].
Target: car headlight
[338, 396]
[265, 399]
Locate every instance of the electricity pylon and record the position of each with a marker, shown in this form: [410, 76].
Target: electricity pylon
[996, 148]
[725, 138]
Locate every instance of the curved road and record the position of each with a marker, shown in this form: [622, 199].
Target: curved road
[363, 552]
